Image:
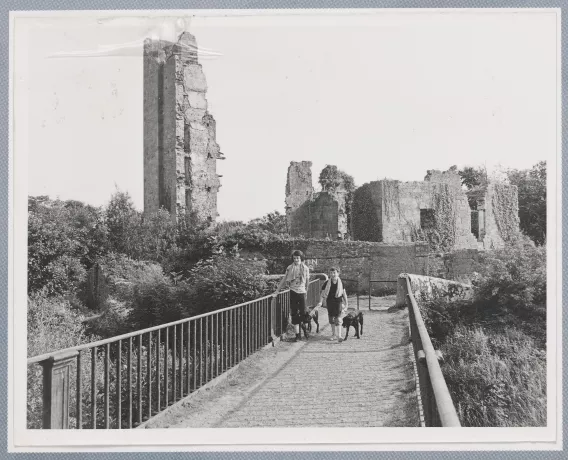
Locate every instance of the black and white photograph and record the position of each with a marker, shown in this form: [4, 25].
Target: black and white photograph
[285, 227]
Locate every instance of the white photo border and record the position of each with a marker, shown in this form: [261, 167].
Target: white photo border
[337, 439]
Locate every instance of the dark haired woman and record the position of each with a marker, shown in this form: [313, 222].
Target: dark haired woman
[297, 278]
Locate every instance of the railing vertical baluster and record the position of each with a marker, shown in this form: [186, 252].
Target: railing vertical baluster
[233, 337]
[229, 345]
[264, 337]
[217, 354]
[200, 352]
[250, 327]
[194, 364]
[256, 320]
[181, 380]
[119, 386]
[223, 332]
[239, 334]
[149, 373]
[139, 382]
[207, 350]
[129, 384]
[236, 329]
[94, 387]
[210, 346]
[174, 366]
[158, 373]
[242, 336]
[187, 355]
[167, 369]
[107, 386]
[79, 393]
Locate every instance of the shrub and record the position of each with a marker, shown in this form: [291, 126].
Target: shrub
[56, 247]
[495, 346]
[222, 281]
[52, 325]
[495, 379]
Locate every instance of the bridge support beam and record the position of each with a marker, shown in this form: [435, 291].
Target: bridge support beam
[56, 375]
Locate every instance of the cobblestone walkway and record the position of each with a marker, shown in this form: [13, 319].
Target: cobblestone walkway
[365, 382]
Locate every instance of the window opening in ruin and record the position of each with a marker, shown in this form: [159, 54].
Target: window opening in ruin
[475, 224]
[478, 224]
[427, 219]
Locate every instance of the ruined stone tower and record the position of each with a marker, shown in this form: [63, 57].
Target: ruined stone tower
[180, 150]
[314, 215]
[299, 189]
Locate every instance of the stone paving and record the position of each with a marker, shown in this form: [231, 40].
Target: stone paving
[367, 382]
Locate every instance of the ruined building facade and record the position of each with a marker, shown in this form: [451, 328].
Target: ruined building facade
[180, 148]
[437, 210]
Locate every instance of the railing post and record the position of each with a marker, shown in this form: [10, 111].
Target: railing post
[272, 319]
[425, 387]
[56, 375]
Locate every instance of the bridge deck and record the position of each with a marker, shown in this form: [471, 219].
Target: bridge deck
[357, 383]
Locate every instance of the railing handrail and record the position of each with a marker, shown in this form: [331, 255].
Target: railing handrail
[444, 403]
[39, 358]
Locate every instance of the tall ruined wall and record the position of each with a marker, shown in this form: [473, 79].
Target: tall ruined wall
[367, 213]
[315, 218]
[180, 148]
[299, 191]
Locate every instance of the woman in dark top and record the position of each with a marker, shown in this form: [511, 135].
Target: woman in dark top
[336, 301]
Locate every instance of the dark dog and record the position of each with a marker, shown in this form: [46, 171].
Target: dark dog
[306, 324]
[354, 319]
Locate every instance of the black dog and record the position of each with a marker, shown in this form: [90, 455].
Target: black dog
[353, 319]
[306, 324]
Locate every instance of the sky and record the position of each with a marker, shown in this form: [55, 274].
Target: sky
[387, 95]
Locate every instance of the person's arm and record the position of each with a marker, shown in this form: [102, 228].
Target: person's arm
[345, 301]
[322, 295]
[307, 278]
[281, 284]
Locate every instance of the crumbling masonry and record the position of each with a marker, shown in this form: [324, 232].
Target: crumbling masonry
[389, 211]
[180, 149]
[317, 215]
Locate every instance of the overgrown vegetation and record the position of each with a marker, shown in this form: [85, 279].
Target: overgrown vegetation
[494, 347]
[155, 269]
[334, 180]
[531, 187]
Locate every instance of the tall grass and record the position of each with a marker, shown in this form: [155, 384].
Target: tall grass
[494, 347]
[495, 379]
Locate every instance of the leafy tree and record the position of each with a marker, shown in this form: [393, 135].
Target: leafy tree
[57, 246]
[273, 222]
[531, 185]
[331, 178]
[472, 177]
[123, 222]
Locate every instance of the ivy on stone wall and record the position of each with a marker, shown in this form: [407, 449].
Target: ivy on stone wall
[444, 234]
[391, 199]
[504, 203]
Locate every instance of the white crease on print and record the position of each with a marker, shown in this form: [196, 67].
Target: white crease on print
[156, 28]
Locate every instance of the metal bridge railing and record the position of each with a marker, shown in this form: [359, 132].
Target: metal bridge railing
[123, 381]
[437, 406]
